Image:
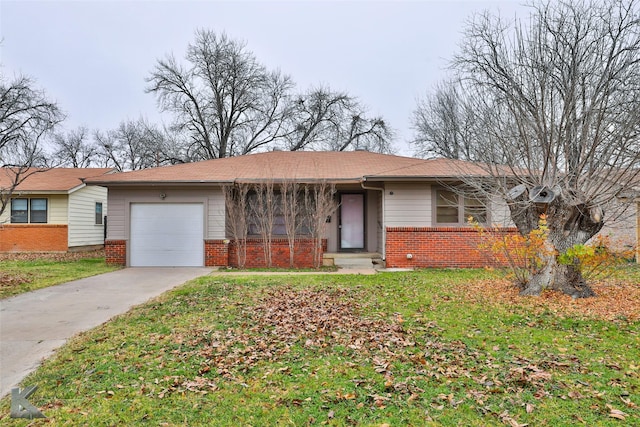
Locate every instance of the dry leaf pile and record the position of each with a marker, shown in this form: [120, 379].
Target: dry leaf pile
[614, 300]
[284, 318]
[9, 280]
[50, 256]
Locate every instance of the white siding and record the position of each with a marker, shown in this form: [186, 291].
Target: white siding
[58, 208]
[407, 204]
[83, 230]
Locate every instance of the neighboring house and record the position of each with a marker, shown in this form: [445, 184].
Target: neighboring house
[53, 210]
[392, 207]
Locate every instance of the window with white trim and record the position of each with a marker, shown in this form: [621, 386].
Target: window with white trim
[35, 211]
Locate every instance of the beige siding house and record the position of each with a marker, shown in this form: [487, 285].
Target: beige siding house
[53, 210]
[402, 210]
[379, 197]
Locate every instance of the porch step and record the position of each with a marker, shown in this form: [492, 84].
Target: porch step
[354, 260]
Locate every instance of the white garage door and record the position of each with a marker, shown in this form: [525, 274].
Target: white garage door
[167, 234]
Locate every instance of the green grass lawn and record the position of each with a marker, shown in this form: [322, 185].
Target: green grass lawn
[19, 274]
[399, 349]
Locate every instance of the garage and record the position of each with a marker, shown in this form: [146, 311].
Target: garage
[166, 235]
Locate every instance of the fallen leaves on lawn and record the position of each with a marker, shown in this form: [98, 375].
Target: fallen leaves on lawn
[317, 320]
[282, 322]
[50, 256]
[13, 279]
[616, 413]
[314, 319]
[613, 300]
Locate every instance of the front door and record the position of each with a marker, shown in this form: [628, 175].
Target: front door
[351, 221]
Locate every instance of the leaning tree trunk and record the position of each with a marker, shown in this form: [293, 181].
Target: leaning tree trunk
[569, 225]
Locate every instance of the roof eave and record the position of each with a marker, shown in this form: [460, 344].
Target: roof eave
[377, 178]
[156, 183]
[222, 182]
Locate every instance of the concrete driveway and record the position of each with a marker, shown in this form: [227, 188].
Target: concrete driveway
[34, 324]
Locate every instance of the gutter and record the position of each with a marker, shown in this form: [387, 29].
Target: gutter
[383, 215]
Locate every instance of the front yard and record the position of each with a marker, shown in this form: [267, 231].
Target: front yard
[420, 348]
[25, 272]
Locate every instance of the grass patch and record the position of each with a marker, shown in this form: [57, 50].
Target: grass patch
[20, 273]
[420, 348]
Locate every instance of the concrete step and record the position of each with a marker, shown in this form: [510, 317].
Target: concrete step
[353, 263]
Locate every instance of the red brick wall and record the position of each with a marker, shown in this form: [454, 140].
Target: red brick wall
[115, 252]
[33, 238]
[435, 247]
[303, 253]
[222, 253]
[216, 253]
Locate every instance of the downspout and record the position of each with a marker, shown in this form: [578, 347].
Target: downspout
[382, 216]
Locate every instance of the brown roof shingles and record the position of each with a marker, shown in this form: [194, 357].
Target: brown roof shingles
[51, 180]
[348, 166]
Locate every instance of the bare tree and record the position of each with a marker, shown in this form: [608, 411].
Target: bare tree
[74, 148]
[319, 203]
[224, 99]
[292, 209]
[133, 145]
[556, 99]
[263, 209]
[444, 125]
[237, 213]
[26, 118]
[334, 121]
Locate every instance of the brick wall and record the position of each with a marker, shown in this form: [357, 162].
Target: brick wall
[223, 253]
[303, 253]
[216, 253]
[33, 238]
[446, 247]
[115, 252]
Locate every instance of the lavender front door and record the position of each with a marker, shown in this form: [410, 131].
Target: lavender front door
[351, 221]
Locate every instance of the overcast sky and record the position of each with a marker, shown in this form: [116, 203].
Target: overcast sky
[92, 57]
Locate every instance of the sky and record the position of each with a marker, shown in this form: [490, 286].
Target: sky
[92, 57]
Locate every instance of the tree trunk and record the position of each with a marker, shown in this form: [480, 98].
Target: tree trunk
[569, 225]
[558, 277]
[568, 280]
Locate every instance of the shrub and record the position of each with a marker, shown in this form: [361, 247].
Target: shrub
[597, 259]
[522, 255]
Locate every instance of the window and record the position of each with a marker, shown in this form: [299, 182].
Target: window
[19, 211]
[38, 211]
[447, 205]
[33, 211]
[452, 208]
[98, 213]
[254, 220]
[279, 226]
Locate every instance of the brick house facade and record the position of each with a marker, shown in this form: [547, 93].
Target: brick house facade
[401, 209]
